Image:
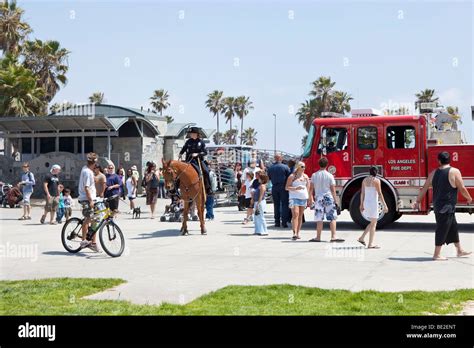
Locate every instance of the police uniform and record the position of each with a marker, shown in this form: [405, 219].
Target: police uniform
[198, 146]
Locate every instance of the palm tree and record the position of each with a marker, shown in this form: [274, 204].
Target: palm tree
[322, 90]
[12, 29]
[242, 108]
[229, 137]
[341, 102]
[425, 96]
[249, 137]
[159, 100]
[169, 119]
[229, 110]
[307, 113]
[97, 98]
[215, 105]
[217, 137]
[59, 107]
[20, 94]
[48, 61]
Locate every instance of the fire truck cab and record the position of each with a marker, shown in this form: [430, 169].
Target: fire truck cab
[402, 149]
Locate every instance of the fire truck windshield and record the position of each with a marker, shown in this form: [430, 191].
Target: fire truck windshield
[309, 142]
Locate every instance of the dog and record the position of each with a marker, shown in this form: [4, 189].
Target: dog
[136, 213]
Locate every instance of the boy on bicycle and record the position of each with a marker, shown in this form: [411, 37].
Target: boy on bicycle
[87, 195]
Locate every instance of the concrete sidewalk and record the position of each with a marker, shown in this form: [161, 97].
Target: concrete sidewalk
[160, 265]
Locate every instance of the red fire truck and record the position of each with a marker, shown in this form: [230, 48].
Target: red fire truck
[404, 148]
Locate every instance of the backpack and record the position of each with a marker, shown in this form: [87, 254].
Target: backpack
[29, 177]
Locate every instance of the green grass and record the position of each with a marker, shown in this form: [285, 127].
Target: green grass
[64, 296]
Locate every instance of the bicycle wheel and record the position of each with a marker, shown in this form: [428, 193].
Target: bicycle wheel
[111, 238]
[71, 235]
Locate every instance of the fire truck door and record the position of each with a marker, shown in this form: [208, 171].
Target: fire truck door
[335, 141]
[401, 154]
[366, 146]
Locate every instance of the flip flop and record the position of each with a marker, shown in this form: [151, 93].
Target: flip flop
[373, 247]
[337, 240]
[315, 240]
[361, 242]
[22, 218]
[464, 253]
[440, 259]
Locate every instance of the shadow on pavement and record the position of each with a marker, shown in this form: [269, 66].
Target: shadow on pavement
[411, 259]
[161, 233]
[63, 253]
[426, 227]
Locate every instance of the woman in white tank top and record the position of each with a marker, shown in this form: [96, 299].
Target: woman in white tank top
[297, 186]
[371, 193]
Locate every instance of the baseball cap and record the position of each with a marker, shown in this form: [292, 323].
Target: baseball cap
[55, 167]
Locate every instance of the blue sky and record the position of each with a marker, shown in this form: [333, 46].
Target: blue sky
[381, 53]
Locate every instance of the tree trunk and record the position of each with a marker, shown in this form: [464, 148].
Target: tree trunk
[241, 129]
[218, 135]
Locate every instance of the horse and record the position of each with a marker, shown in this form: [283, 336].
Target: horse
[190, 186]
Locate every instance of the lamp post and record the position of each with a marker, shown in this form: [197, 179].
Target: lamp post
[275, 134]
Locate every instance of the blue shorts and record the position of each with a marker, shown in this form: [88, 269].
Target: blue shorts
[324, 206]
[295, 202]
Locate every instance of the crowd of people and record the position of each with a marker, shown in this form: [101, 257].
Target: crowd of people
[292, 191]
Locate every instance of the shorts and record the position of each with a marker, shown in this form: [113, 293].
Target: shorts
[87, 211]
[446, 229]
[131, 198]
[26, 197]
[51, 204]
[324, 207]
[297, 202]
[247, 203]
[151, 196]
[113, 204]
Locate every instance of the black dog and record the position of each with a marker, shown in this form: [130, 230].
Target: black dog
[136, 213]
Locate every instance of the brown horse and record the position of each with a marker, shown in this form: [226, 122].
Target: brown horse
[190, 186]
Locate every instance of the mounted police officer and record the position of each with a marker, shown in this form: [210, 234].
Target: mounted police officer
[196, 149]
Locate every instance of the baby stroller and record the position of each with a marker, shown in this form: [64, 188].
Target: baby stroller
[4, 188]
[173, 211]
[13, 197]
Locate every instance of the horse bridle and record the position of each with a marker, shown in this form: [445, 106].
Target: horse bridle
[178, 175]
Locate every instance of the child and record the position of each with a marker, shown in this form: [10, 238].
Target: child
[258, 198]
[67, 204]
[60, 211]
[248, 196]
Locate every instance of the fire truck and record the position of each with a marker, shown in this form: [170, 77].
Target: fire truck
[404, 149]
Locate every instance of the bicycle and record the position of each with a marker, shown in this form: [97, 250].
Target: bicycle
[103, 223]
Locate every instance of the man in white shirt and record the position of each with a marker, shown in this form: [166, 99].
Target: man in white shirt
[323, 194]
[251, 168]
[87, 196]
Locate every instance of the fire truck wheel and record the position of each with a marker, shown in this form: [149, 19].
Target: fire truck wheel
[397, 216]
[383, 221]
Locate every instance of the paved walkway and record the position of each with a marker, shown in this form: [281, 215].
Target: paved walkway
[160, 265]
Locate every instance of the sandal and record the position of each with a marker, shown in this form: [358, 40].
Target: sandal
[464, 253]
[22, 218]
[314, 240]
[337, 240]
[42, 219]
[294, 237]
[361, 242]
[373, 247]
